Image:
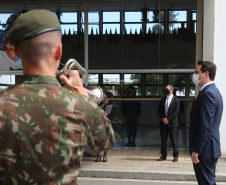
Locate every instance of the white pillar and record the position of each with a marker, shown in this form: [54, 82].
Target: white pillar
[220, 60]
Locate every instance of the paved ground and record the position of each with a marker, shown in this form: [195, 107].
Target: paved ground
[134, 163]
[114, 181]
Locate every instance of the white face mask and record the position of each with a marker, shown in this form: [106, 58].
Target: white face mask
[195, 79]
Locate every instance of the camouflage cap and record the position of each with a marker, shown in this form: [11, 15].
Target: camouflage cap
[31, 24]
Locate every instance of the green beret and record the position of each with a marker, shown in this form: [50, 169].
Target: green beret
[31, 24]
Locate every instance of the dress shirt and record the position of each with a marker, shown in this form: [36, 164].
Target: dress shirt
[212, 82]
[168, 101]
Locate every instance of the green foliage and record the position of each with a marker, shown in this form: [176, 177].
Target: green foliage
[116, 122]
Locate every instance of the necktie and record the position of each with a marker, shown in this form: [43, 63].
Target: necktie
[166, 105]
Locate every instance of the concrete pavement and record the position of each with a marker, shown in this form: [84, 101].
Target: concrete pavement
[132, 163]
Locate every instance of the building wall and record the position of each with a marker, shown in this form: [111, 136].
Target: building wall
[219, 58]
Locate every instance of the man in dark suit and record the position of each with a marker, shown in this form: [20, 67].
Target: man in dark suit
[169, 107]
[204, 137]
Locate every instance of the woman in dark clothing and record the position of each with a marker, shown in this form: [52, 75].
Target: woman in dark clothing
[109, 115]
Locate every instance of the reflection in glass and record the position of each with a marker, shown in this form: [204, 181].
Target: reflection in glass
[179, 91]
[68, 17]
[155, 27]
[137, 89]
[133, 16]
[154, 78]
[3, 18]
[151, 16]
[92, 29]
[93, 17]
[6, 80]
[154, 90]
[93, 78]
[192, 91]
[133, 28]
[114, 89]
[194, 16]
[113, 28]
[132, 78]
[111, 16]
[111, 78]
[177, 16]
[176, 26]
[176, 79]
[66, 27]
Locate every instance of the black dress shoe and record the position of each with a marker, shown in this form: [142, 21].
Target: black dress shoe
[128, 144]
[162, 158]
[175, 159]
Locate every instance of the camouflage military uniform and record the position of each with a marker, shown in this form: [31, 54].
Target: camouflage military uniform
[131, 110]
[43, 130]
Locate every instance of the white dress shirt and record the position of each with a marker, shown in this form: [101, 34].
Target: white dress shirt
[167, 103]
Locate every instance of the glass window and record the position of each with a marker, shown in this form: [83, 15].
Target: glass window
[133, 28]
[113, 28]
[179, 90]
[93, 22]
[93, 78]
[154, 78]
[93, 17]
[155, 27]
[177, 16]
[176, 26]
[3, 19]
[133, 16]
[137, 90]
[114, 89]
[132, 78]
[111, 78]
[154, 90]
[69, 17]
[176, 79]
[192, 91]
[111, 16]
[6, 81]
[158, 17]
[69, 27]
[194, 16]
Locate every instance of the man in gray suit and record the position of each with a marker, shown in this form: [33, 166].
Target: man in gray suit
[206, 113]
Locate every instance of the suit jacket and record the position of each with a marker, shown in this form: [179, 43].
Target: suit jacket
[173, 111]
[205, 118]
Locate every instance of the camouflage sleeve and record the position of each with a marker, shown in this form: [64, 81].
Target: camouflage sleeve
[100, 134]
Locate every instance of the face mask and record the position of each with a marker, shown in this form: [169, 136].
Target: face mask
[195, 79]
[167, 91]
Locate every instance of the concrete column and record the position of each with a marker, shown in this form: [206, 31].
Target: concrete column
[86, 41]
[214, 49]
[220, 59]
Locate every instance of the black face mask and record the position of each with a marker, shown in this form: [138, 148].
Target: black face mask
[166, 92]
[102, 102]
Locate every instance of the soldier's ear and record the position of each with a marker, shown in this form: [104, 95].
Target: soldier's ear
[58, 53]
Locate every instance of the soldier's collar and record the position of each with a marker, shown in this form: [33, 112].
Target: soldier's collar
[38, 79]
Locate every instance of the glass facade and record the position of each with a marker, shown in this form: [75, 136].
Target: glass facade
[132, 35]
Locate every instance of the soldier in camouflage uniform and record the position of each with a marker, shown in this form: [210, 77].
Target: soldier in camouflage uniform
[44, 126]
[131, 110]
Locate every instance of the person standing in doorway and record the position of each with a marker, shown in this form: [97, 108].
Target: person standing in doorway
[205, 119]
[131, 111]
[169, 107]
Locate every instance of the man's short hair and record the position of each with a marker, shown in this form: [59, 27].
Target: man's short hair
[171, 86]
[208, 66]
